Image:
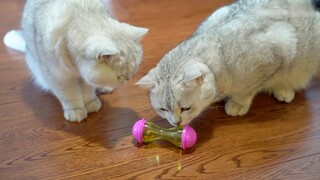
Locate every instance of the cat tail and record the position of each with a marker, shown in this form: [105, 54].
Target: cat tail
[14, 39]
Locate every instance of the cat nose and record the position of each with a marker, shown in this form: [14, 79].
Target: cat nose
[178, 122]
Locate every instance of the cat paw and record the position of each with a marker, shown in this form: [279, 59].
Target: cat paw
[76, 115]
[93, 105]
[284, 95]
[235, 109]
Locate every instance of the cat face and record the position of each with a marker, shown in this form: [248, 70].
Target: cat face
[113, 57]
[183, 98]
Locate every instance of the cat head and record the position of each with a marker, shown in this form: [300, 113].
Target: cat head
[108, 53]
[181, 96]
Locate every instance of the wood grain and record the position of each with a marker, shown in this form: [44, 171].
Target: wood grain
[274, 141]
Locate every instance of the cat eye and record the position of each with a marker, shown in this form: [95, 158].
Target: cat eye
[185, 108]
[162, 109]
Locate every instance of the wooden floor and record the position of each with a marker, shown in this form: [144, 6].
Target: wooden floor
[274, 141]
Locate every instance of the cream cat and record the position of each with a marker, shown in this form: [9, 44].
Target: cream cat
[74, 47]
[240, 50]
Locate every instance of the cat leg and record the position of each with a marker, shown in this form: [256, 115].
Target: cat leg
[91, 101]
[238, 105]
[70, 96]
[283, 94]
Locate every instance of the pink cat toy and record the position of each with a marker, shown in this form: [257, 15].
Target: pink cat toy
[182, 136]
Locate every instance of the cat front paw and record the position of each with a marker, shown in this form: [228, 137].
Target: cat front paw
[284, 95]
[75, 115]
[235, 109]
[93, 105]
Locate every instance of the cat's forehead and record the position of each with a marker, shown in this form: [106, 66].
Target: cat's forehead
[168, 74]
[127, 47]
[173, 98]
[168, 98]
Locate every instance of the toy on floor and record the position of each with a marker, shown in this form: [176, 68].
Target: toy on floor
[146, 131]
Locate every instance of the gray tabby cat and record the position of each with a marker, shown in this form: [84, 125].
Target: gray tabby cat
[74, 46]
[242, 49]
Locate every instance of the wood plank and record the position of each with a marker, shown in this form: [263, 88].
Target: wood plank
[274, 141]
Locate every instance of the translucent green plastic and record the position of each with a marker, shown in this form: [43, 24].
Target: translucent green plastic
[153, 132]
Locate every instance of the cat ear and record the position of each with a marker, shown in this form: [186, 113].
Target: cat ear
[148, 81]
[138, 33]
[192, 79]
[194, 76]
[107, 53]
[62, 52]
[135, 33]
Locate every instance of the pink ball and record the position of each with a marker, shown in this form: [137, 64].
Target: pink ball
[188, 136]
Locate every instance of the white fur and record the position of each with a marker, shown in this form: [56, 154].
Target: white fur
[74, 47]
[14, 40]
[245, 52]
